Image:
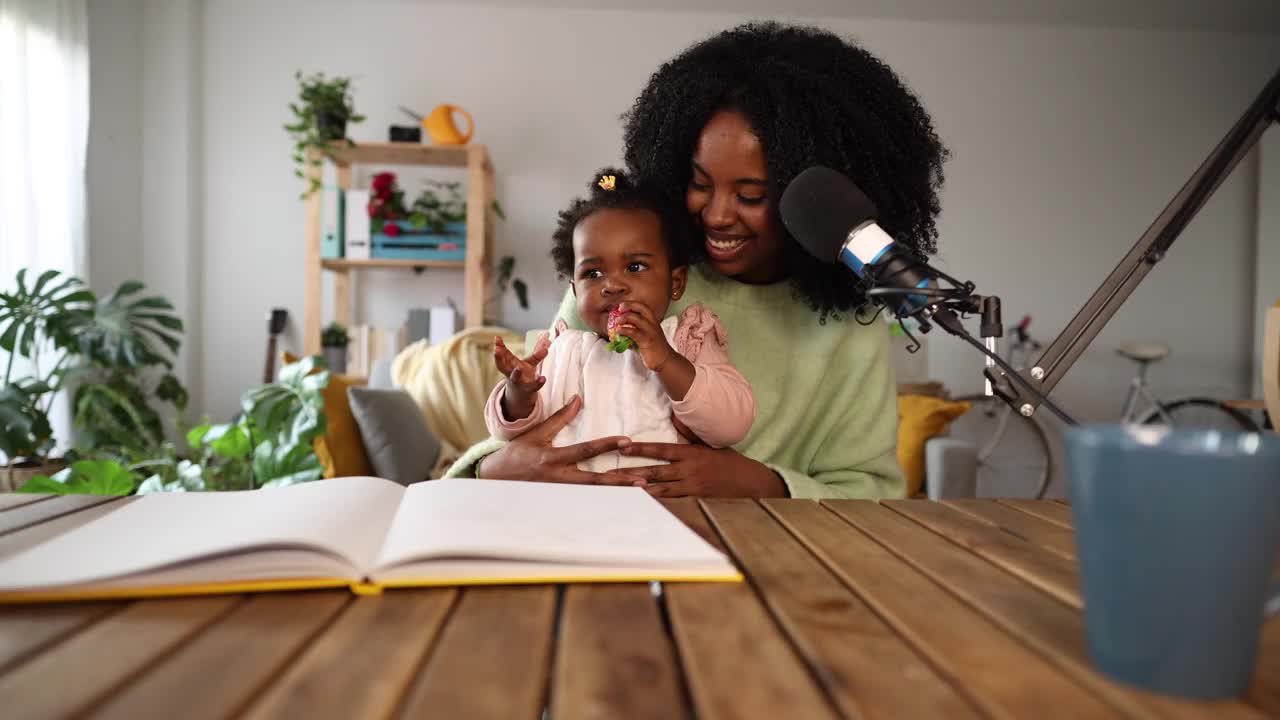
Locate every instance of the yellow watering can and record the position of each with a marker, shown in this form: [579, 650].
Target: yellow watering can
[443, 130]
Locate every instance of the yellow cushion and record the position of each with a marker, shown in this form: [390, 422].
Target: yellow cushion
[919, 418]
[340, 449]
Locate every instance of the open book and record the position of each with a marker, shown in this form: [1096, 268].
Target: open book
[365, 533]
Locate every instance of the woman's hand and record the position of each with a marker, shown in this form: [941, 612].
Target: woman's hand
[531, 457]
[699, 471]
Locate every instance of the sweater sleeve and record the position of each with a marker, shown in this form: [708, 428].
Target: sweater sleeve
[465, 467]
[858, 457]
[719, 406]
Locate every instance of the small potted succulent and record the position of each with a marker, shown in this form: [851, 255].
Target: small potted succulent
[334, 340]
[321, 114]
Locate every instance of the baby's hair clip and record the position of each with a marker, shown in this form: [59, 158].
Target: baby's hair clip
[607, 182]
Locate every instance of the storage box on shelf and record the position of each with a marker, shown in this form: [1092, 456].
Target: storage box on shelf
[413, 243]
[473, 254]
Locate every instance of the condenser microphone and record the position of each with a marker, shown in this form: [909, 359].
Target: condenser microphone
[834, 221]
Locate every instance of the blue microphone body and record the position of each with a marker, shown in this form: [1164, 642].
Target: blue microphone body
[880, 261]
[835, 221]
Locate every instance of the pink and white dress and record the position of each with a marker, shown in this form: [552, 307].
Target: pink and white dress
[620, 396]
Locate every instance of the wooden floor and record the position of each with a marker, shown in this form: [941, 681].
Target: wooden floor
[853, 609]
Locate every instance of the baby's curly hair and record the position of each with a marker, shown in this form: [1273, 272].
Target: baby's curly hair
[813, 99]
[622, 193]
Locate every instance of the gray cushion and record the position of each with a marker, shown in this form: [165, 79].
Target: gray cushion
[400, 445]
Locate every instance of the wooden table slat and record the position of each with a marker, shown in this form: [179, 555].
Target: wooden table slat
[11, 500]
[360, 666]
[493, 658]
[1048, 571]
[34, 513]
[614, 658]
[737, 662]
[1047, 625]
[221, 669]
[70, 676]
[1056, 513]
[1034, 529]
[689, 511]
[861, 662]
[32, 535]
[974, 652]
[26, 629]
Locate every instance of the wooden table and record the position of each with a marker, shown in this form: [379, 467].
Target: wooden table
[907, 609]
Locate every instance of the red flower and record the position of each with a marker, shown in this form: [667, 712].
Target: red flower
[391, 230]
[383, 182]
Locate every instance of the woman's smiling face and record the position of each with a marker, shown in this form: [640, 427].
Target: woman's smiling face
[728, 194]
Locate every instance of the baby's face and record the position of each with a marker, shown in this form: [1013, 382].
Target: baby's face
[619, 256]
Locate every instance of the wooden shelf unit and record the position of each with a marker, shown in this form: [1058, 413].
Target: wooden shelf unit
[479, 259]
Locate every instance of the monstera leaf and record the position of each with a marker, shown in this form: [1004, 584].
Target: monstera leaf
[124, 331]
[284, 465]
[25, 431]
[54, 307]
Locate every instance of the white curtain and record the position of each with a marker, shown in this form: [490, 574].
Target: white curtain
[44, 131]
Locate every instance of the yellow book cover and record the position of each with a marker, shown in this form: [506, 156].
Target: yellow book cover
[364, 533]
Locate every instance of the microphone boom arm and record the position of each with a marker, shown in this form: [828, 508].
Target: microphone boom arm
[1063, 352]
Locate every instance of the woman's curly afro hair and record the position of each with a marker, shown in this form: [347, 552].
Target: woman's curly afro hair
[623, 194]
[812, 98]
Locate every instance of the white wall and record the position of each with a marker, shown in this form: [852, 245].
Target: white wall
[173, 172]
[145, 169]
[114, 157]
[1067, 141]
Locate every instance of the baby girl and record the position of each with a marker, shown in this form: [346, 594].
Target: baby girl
[641, 376]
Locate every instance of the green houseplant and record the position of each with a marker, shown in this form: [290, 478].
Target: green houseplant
[114, 354]
[269, 445]
[36, 321]
[321, 114]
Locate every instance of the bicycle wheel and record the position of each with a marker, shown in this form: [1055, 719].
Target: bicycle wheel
[1201, 413]
[1013, 451]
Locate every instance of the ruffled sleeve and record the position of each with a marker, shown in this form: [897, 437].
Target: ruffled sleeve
[698, 326]
[719, 407]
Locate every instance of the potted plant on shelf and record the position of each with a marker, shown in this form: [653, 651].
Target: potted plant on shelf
[321, 114]
[334, 340]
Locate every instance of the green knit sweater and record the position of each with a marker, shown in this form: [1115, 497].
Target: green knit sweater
[826, 417]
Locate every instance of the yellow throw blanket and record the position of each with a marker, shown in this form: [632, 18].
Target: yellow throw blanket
[451, 382]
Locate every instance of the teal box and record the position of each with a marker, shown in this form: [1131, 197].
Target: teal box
[333, 222]
[416, 244]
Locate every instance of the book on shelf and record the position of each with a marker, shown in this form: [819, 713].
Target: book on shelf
[332, 221]
[365, 534]
[356, 220]
[370, 344]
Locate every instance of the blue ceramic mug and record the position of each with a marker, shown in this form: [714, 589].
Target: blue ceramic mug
[1177, 532]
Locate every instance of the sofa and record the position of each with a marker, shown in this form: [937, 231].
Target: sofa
[448, 385]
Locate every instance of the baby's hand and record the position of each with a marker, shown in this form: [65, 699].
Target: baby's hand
[523, 381]
[639, 323]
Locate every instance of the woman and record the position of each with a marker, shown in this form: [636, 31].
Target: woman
[725, 127]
